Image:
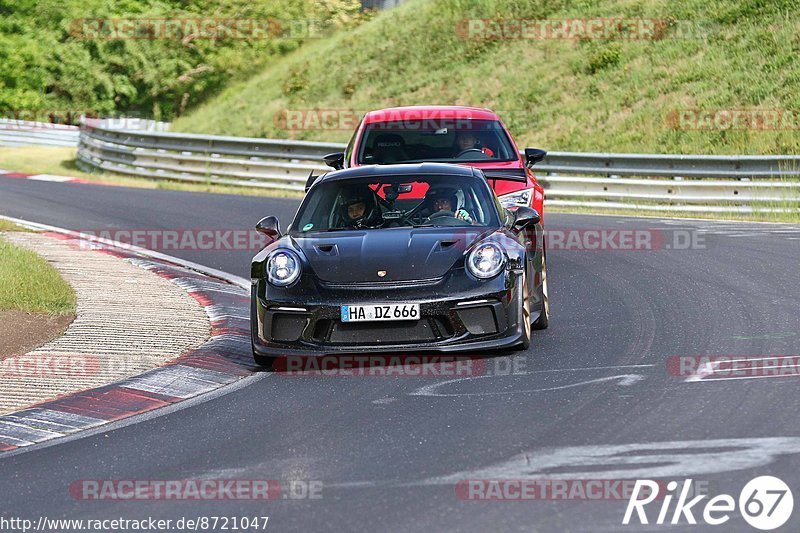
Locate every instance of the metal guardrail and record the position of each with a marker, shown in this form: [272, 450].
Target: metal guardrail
[696, 183]
[25, 133]
[687, 166]
[269, 163]
[691, 183]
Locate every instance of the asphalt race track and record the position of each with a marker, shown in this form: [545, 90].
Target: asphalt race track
[593, 398]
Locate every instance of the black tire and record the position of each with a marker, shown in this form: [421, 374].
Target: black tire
[525, 315]
[544, 317]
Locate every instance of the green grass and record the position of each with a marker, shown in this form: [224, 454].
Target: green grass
[577, 95]
[28, 283]
[56, 160]
[5, 225]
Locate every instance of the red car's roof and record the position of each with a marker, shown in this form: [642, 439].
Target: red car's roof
[430, 112]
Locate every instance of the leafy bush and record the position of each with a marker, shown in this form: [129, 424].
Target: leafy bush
[46, 63]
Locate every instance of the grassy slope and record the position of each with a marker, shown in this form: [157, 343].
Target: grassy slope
[29, 283]
[588, 95]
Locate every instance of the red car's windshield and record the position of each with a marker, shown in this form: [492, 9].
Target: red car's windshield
[441, 140]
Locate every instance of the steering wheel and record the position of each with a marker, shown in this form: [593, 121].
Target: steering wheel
[441, 214]
[446, 218]
[468, 150]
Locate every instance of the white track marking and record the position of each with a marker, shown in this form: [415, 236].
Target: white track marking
[51, 177]
[383, 401]
[651, 460]
[625, 380]
[714, 380]
[707, 372]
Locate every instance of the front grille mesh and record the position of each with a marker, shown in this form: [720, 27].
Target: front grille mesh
[428, 329]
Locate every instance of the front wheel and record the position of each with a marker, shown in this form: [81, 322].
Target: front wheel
[525, 314]
[544, 316]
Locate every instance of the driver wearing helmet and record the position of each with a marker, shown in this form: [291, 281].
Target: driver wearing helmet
[445, 200]
[358, 208]
[466, 140]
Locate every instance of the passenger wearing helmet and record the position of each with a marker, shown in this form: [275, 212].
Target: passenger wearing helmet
[444, 200]
[358, 208]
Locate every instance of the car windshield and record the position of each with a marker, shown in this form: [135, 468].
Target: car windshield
[397, 201]
[441, 140]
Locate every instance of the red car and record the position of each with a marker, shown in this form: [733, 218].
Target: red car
[467, 136]
[448, 134]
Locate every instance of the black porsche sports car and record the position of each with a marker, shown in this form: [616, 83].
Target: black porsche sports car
[399, 258]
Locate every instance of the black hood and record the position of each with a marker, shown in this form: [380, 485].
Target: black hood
[404, 253]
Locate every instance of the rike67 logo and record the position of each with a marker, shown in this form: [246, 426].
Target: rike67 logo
[765, 503]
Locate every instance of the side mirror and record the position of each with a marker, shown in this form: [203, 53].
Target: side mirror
[525, 217]
[270, 227]
[534, 155]
[335, 160]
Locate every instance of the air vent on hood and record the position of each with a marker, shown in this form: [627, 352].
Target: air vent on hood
[446, 245]
[327, 249]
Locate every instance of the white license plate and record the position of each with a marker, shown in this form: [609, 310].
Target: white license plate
[372, 313]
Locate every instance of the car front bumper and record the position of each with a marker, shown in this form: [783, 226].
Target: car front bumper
[457, 314]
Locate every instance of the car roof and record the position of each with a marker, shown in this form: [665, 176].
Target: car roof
[392, 114]
[416, 169]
